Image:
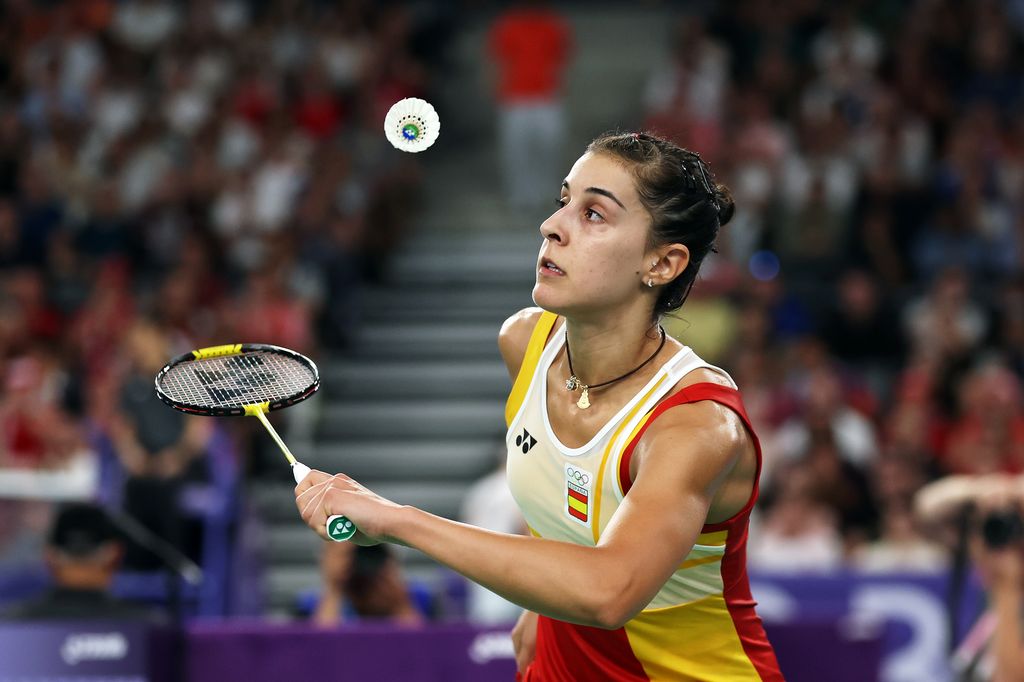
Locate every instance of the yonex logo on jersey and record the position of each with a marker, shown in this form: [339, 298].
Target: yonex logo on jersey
[526, 441]
[577, 493]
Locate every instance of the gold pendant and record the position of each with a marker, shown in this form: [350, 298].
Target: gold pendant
[584, 401]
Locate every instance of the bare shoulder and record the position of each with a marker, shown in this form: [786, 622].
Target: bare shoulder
[714, 429]
[704, 445]
[515, 336]
[704, 441]
[703, 375]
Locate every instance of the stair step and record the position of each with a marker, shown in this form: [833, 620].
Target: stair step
[403, 341]
[276, 501]
[434, 379]
[426, 460]
[444, 304]
[413, 419]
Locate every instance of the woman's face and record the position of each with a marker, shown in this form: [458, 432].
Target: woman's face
[595, 254]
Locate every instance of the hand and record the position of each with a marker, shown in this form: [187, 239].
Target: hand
[1002, 567]
[321, 495]
[524, 640]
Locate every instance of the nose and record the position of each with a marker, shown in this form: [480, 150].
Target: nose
[552, 229]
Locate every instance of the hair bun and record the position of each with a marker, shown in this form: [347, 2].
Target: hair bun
[726, 206]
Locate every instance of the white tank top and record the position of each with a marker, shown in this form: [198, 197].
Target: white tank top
[570, 494]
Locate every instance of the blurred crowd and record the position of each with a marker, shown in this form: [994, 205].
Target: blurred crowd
[177, 174]
[868, 296]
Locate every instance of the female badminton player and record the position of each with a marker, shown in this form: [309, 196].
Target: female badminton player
[633, 460]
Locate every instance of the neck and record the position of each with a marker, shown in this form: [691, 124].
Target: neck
[603, 350]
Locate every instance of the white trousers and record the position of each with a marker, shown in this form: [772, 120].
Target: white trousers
[530, 139]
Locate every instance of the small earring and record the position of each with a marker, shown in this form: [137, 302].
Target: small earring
[650, 284]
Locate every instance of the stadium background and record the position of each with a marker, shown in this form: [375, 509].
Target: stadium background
[175, 175]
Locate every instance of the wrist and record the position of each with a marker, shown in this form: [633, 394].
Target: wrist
[400, 523]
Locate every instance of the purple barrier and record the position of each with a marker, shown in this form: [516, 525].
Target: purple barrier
[267, 653]
[84, 652]
[439, 653]
[808, 652]
[911, 610]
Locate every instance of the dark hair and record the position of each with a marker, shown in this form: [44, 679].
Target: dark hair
[679, 191]
[80, 529]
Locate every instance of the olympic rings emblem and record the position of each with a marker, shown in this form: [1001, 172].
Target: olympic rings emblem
[578, 476]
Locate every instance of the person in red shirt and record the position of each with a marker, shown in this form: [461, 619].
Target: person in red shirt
[530, 46]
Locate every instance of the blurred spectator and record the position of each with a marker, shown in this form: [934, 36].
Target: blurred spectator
[684, 99]
[83, 553]
[990, 508]
[364, 583]
[797, 532]
[825, 410]
[861, 329]
[530, 44]
[489, 504]
[901, 547]
[160, 449]
[988, 435]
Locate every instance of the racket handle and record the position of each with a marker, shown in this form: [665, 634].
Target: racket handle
[339, 528]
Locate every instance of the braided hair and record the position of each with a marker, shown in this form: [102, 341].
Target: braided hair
[679, 192]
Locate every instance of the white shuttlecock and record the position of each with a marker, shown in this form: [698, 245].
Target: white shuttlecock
[412, 125]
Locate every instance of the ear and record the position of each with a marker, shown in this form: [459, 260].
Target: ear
[667, 262]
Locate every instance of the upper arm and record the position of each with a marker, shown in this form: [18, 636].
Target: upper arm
[514, 337]
[685, 457]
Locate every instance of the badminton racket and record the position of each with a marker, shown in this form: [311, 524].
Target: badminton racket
[246, 379]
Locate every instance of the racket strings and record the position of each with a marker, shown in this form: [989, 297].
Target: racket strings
[237, 380]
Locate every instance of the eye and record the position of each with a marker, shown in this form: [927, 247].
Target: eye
[560, 203]
[593, 215]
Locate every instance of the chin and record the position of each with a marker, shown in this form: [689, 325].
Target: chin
[544, 298]
[551, 301]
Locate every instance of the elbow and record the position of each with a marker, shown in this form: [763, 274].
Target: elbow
[609, 595]
[612, 615]
[615, 606]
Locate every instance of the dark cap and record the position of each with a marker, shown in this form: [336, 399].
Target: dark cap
[80, 529]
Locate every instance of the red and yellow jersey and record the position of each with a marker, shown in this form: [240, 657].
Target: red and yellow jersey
[701, 625]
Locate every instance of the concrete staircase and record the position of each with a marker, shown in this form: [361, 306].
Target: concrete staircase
[415, 409]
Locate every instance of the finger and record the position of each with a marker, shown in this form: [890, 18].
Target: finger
[303, 499]
[312, 500]
[313, 478]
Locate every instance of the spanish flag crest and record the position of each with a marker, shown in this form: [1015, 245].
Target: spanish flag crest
[578, 487]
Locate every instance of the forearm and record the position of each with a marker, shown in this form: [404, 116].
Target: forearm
[1008, 646]
[558, 579]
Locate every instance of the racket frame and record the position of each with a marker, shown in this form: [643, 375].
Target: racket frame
[240, 410]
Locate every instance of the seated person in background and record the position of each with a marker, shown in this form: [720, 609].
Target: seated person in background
[83, 553]
[489, 504]
[364, 583]
[993, 505]
[162, 451]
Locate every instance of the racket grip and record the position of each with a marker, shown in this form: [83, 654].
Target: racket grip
[339, 528]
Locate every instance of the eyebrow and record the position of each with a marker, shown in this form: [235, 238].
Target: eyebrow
[602, 192]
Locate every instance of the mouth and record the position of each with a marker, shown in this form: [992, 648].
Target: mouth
[549, 267]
